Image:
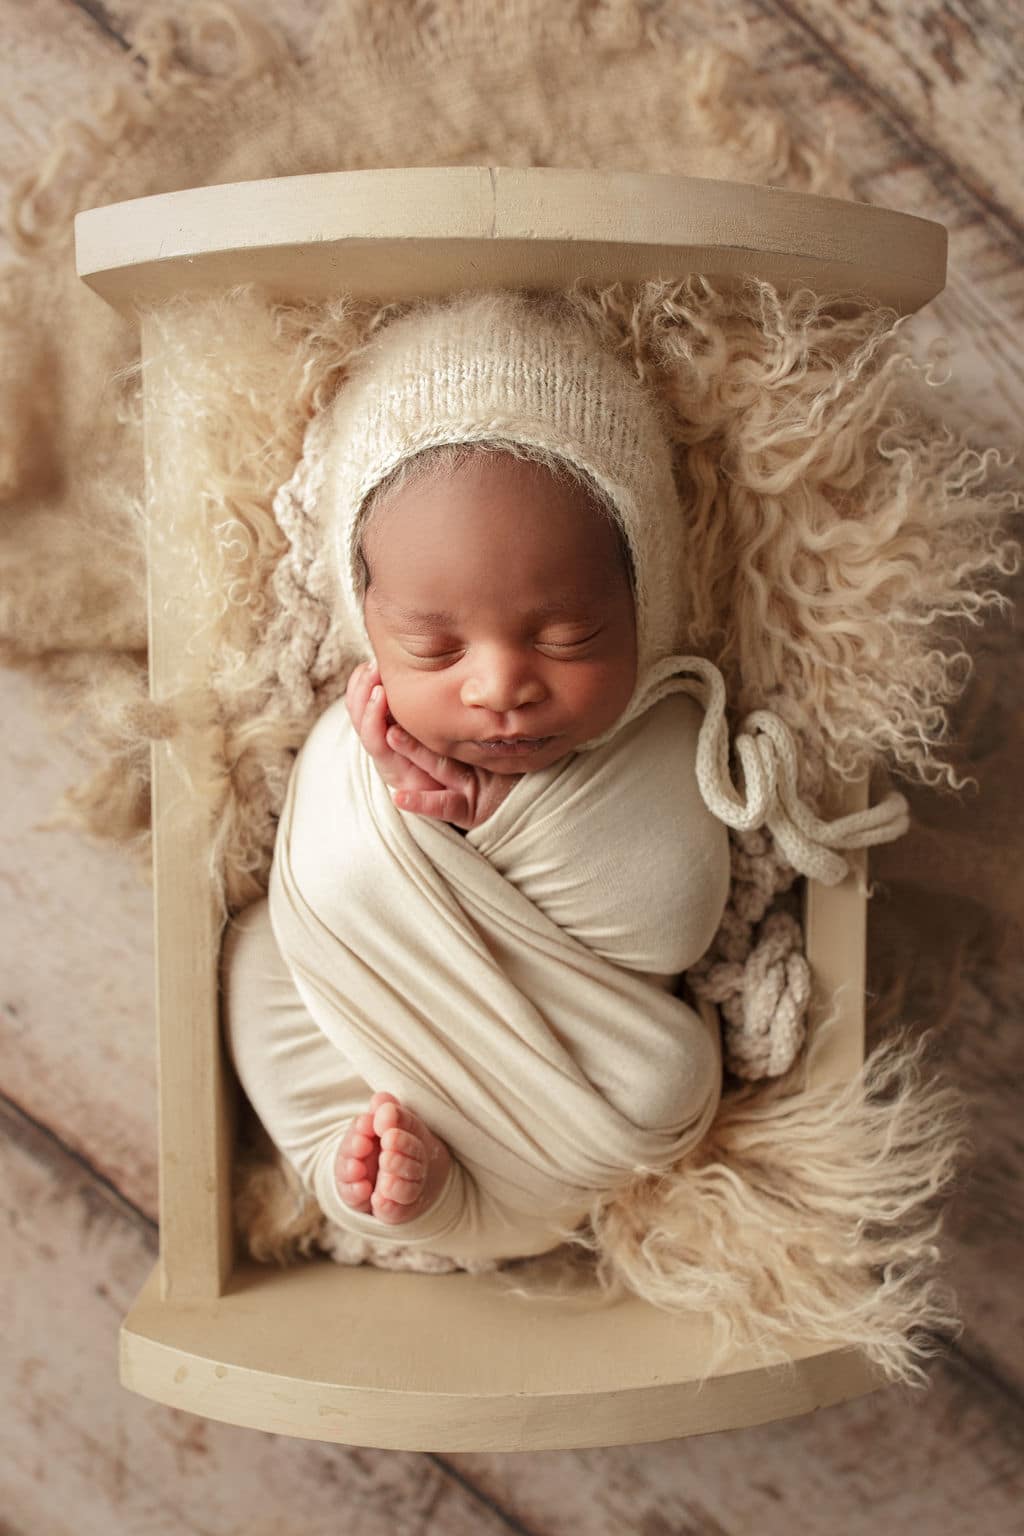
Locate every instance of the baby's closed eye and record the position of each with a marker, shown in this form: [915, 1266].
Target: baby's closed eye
[446, 651]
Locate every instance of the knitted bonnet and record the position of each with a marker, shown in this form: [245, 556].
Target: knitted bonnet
[507, 366]
[498, 366]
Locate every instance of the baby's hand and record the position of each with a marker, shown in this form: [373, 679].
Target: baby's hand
[371, 719]
[461, 794]
[420, 780]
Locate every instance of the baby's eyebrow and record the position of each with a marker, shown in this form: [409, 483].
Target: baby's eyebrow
[433, 619]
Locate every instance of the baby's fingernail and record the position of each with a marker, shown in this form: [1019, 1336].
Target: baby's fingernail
[375, 695]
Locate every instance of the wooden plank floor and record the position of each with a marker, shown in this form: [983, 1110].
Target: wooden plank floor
[925, 99]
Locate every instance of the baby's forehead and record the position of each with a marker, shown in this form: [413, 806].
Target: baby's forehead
[597, 576]
[562, 527]
[554, 504]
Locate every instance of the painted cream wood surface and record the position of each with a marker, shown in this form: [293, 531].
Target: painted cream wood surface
[921, 122]
[374, 1358]
[398, 233]
[196, 1100]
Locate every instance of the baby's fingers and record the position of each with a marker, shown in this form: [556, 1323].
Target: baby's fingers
[357, 693]
[371, 723]
[444, 769]
[374, 728]
[395, 767]
[444, 804]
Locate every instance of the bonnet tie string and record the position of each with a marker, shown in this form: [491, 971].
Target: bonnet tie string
[767, 754]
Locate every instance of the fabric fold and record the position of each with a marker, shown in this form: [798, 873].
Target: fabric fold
[550, 1067]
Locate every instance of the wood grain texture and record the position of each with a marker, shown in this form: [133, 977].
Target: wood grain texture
[77, 1026]
[885, 1458]
[902, 160]
[80, 1454]
[55, 60]
[82, 1457]
[950, 73]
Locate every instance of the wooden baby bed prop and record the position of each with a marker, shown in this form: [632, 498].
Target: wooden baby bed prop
[364, 1356]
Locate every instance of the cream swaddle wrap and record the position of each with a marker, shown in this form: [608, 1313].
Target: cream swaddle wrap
[510, 986]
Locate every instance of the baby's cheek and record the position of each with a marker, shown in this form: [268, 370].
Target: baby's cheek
[406, 706]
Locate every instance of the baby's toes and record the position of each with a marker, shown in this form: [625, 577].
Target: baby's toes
[391, 1119]
[353, 1170]
[353, 1185]
[391, 1212]
[357, 1144]
[407, 1143]
[355, 1167]
[399, 1166]
[386, 1113]
[393, 1186]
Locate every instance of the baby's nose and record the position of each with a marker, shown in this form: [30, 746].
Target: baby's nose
[502, 689]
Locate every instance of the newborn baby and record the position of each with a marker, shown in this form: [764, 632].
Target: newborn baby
[501, 614]
[500, 609]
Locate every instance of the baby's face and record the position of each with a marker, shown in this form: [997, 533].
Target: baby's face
[460, 571]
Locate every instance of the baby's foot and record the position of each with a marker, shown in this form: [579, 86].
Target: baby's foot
[389, 1163]
[356, 1164]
